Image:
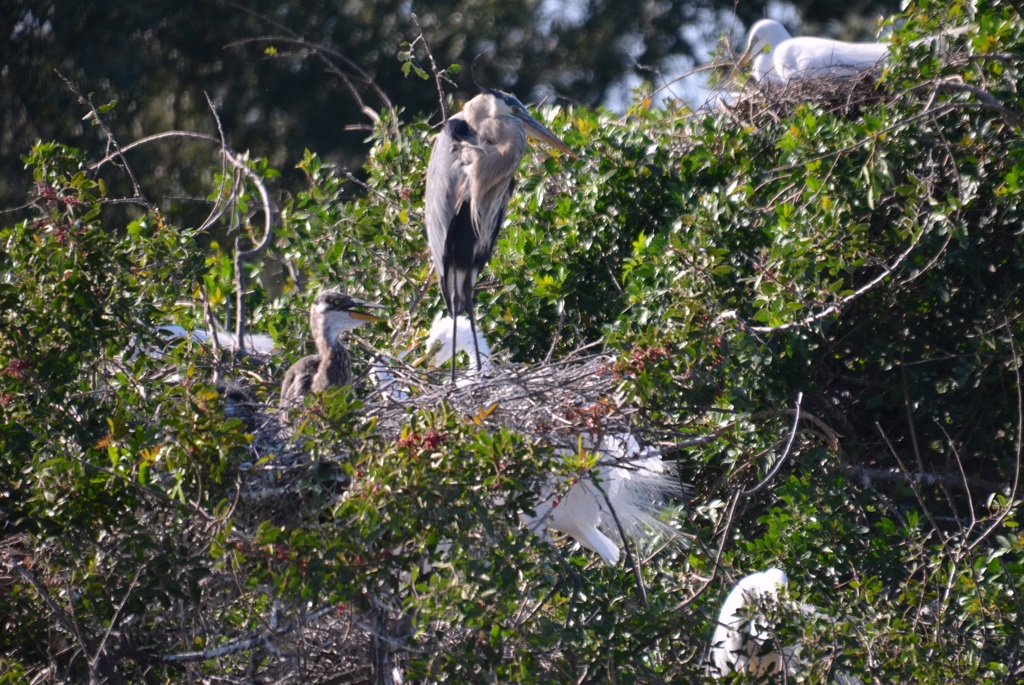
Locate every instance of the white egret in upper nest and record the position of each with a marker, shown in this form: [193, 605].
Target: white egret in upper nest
[792, 58]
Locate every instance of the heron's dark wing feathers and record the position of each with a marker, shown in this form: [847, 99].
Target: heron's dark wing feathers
[460, 130]
[298, 380]
[460, 260]
[446, 191]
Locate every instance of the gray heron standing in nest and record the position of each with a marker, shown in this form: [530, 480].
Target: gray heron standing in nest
[469, 183]
[331, 314]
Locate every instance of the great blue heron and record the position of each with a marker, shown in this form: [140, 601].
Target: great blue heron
[469, 182]
[331, 314]
[792, 58]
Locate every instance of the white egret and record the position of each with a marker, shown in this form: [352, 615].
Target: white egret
[803, 57]
[259, 343]
[738, 643]
[384, 380]
[626, 489]
[629, 488]
[440, 347]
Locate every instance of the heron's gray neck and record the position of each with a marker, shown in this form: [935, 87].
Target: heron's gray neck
[335, 367]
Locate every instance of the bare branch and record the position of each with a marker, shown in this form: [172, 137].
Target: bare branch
[243, 644]
[325, 55]
[111, 140]
[836, 307]
[437, 74]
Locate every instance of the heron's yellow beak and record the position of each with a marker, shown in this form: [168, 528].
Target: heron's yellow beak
[363, 316]
[536, 130]
[741, 63]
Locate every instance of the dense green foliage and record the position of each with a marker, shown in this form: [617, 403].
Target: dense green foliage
[815, 297]
[288, 74]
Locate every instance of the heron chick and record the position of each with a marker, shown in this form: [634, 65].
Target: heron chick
[331, 314]
[469, 183]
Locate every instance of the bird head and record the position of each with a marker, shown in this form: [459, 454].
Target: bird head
[439, 343]
[339, 312]
[757, 585]
[764, 37]
[502, 104]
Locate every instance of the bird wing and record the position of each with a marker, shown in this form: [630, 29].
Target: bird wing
[578, 514]
[446, 198]
[298, 380]
[810, 57]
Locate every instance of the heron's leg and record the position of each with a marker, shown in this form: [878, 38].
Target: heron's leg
[476, 344]
[455, 349]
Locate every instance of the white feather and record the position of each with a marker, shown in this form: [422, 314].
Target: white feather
[254, 342]
[737, 643]
[807, 56]
[629, 489]
[439, 344]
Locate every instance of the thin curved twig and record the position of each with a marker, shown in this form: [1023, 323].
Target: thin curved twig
[437, 74]
[785, 453]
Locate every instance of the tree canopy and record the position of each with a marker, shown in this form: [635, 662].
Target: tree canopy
[808, 300]
[288, 76]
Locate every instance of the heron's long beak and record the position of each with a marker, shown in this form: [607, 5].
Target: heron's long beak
[538, 131]
[364, 316]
